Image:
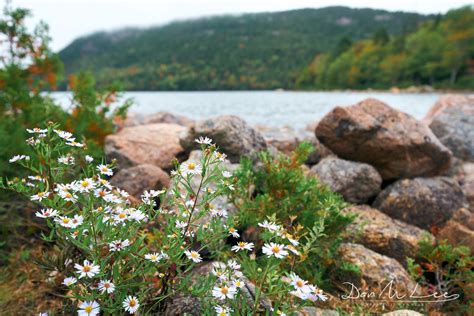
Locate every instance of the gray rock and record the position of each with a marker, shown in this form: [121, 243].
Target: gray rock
[139, 178]
[156, 144]
[356, 182]
[376, 270]
[424, 202]
[178, 305]
[454, 126]
[387, 236]
[403, 312]
[395, 143]
[230, 133]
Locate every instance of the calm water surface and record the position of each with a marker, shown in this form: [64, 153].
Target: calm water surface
[273, 108]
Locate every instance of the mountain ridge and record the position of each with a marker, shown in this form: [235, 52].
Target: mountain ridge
[247, 51]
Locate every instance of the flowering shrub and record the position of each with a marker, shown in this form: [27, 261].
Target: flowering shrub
[130, 257]
[278, 187]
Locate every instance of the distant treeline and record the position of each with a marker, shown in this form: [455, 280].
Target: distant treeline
[439, 53]
[251, 51]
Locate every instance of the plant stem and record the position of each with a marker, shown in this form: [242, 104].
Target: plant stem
[258, 290]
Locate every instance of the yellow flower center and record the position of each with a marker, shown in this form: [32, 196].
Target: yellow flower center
[86, 268]
[132, 303]
[105, 169]
[191, 166]
[122, 215]
[88, 309]
[224, 290]
[66, 220]
[276, 249]
[194, 254]
[241, 244]
[68, 195]
[299, 283]
[153, 257]
[41, 194]
[106, 285]
[85, 184]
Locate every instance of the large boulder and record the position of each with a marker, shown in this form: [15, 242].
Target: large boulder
[140, 178]
[232, 134]
[395, 143]
[156, 144]
[387, 236]
[444, 102]
[425, 202]
[454, 127]
[459, 230]
[376, 270]
[356, 182]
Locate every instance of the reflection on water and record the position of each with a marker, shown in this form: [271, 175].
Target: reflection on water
[274, 108]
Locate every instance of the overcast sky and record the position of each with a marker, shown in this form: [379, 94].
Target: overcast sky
[69, 19]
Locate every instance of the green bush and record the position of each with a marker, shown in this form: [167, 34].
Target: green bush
[278, 188]
[28, 71]
[443, 268]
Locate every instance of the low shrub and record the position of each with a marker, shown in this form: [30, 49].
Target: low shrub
[277, 188]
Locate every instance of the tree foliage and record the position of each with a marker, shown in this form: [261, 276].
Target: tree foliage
[251, 51]
[439, 53]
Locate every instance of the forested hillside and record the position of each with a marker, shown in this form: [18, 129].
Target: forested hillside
[440, 53]
[251, 51]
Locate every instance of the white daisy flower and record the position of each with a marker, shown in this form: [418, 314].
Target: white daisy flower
[88, 269]
[36, 130]
[85, 185]
[73, 143]
[234, 232]
[226, 174]
[64, 135]
[222, 292]
[69, 281]
[154, 257]
[118, 245]
[299, 284]
[76, 221]
[181, 224]
[64, 221]
[40, 196]
[106, 286]
[270, 226]
[46, 213]
[19, 157]
[193, 255]
[238, 283]
[131, 304]
[66, 160]
[222, 310]
[89, 159]
[105, 170]
[242, 245]
[89, 309]
[276, 250]
[233, 264]
[192, 168]
[138, 215]
[220, 156]
[203, 140]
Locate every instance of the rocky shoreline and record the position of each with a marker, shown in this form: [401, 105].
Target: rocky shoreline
[405, 179]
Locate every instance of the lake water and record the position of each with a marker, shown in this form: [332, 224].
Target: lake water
[273, 108]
